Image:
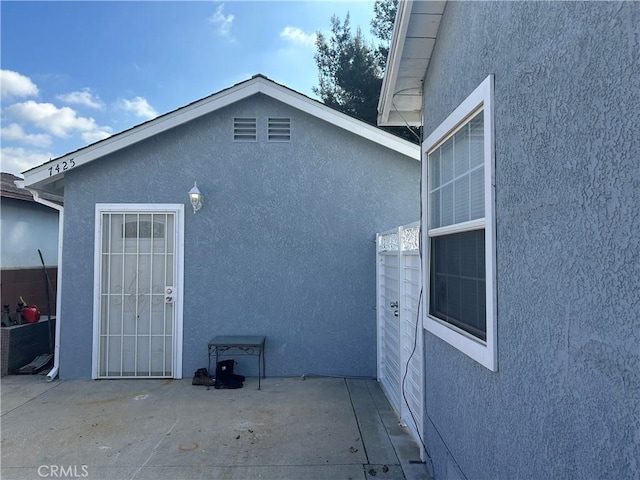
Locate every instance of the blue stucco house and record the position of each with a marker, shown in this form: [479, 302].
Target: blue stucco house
[530, 232]
[283, 246]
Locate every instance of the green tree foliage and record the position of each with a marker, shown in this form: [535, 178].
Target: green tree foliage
[384, 16]
[350, 77]
[350, 70]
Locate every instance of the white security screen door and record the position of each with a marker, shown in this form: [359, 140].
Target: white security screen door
[139, 288]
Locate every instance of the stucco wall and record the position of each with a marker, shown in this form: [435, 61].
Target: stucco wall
[26, 227]
[565, 402]
[284, 245]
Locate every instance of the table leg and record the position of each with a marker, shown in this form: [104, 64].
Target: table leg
[209, 366]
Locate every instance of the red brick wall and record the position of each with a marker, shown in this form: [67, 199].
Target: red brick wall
[30, 284]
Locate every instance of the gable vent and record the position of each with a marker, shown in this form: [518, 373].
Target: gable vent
[279, 129]
[244, 129]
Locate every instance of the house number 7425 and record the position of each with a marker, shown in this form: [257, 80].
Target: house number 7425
[62, 166]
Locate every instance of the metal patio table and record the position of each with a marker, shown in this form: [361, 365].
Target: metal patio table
[247, 344]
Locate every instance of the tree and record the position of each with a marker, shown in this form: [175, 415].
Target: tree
[384, 16]
[350, 71]
[350, 77]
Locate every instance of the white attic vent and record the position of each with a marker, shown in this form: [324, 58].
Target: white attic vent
[279, 130]
[244, 129]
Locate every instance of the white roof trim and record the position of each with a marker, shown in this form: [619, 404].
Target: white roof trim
[414, 36]
[400, 26]
[44, 174]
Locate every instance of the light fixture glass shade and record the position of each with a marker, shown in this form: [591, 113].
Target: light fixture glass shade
[196, 198]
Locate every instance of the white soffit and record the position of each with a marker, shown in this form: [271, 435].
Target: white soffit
[413, 40]
[50, 175]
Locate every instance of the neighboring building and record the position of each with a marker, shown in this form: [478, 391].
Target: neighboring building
[284, 245]
[531, 232]
[25, 228]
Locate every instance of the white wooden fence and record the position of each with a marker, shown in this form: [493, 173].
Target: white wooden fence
[400, 349]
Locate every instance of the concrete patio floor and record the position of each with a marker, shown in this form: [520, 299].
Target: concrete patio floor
[316, 428]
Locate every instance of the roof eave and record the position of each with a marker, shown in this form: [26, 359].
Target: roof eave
[400, 26]
[412, 42]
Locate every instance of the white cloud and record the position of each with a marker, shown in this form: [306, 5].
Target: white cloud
[84, 98]
[139, 107]
[298, 37]
[61, 122]
[17, 160]
[96, 135]
[222, 22]
[14, 132]
[14, 84]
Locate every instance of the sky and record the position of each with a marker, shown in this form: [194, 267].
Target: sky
[73, 73]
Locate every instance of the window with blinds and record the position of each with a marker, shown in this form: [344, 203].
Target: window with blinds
[456, 196]
[460, 234]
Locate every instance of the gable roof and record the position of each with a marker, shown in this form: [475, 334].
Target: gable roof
[50, 175]
[414, 36]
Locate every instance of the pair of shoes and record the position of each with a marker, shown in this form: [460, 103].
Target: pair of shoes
[201, 377]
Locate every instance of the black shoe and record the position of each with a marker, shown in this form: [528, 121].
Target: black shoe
[224, 371]
[217, 384]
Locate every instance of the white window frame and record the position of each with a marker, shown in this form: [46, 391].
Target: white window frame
[483, 352]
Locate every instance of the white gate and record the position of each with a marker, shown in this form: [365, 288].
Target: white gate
[400, 350]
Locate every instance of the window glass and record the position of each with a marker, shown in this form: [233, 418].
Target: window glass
[456, 176]
[458, 281]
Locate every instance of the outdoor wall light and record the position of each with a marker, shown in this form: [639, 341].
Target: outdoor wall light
[196, 198]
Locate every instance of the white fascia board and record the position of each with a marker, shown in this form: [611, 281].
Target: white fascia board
[407, 118]
[394, 57]
[339, 119]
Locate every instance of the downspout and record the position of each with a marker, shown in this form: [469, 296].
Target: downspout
[53, 373]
